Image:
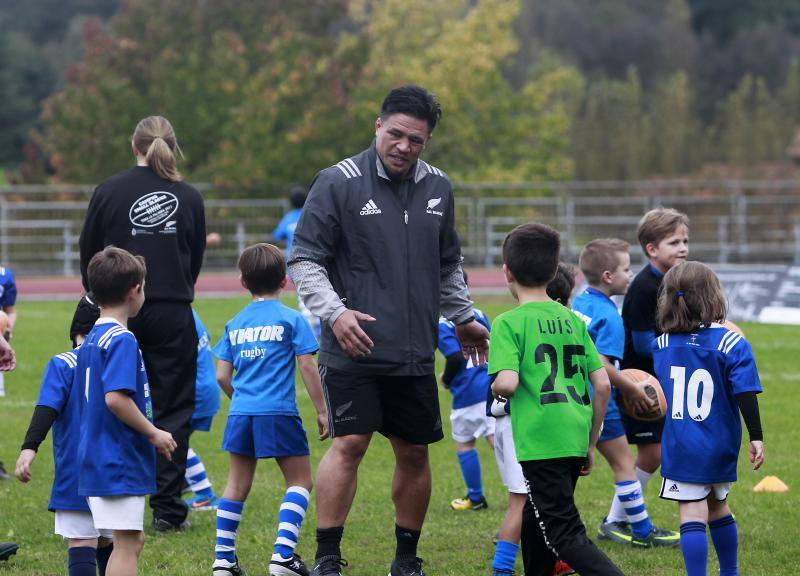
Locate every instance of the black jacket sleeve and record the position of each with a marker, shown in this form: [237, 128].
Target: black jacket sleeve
[748, 406]
[455, 364]
[91, 239]
[41, 422]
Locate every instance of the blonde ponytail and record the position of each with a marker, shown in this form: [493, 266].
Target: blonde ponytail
[154, 138]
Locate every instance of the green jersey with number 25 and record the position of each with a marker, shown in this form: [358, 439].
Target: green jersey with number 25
[550, 348]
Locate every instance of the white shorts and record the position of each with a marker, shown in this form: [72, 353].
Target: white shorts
[78, 525]
[471, 422]
[689, 492]
[117, 512]
[506, 455]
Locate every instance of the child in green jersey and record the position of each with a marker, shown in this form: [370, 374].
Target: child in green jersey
[543, 360]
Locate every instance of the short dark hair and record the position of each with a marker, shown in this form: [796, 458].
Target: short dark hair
[561, 286]
[530, 252]
[112, 272]
[601, 255]
[297, 197]
[86, 314]
[412, 101]
[262, 267]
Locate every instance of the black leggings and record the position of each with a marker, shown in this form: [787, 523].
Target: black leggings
[551, 524]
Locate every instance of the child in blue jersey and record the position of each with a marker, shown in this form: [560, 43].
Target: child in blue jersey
[116, 452]
[59, 406]
[468, 384]
[709, 376]
[262, 345]
[8, 317]
[206, 405]
[606, 265]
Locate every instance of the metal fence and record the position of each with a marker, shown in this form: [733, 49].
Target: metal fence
[731, 221]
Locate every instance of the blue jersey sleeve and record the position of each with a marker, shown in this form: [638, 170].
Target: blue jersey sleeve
[448, 343]
[741, 368]
[121, 367]
[9, 293]
[281, 231]
[223, 348]
[303, 340]
[57, 383]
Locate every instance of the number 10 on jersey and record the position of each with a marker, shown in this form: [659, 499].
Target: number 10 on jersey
[687, 398]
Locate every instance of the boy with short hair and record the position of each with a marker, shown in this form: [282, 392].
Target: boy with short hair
[663, 234]
[116, 453]
[59, 408]
[468, 385]
[605, 264]
[206, 405]
[559, 289]
[543, 360]
[263, 344]
[8, 317]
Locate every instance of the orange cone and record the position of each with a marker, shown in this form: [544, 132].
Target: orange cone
[771, 484]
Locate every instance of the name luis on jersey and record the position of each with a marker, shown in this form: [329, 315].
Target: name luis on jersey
[256, 334]
[557, 326]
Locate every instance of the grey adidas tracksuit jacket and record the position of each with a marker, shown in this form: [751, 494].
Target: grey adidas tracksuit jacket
[360, 245]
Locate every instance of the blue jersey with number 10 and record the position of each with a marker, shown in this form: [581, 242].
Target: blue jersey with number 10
[701, 373]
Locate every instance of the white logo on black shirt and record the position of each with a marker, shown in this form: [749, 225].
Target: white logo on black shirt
[370, 208]
[433, 203]
[153, 209]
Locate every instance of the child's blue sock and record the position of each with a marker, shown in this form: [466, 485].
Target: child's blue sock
[629, 493]
[82, 561]
[694, 546]
[103, 554]
[725, 536]
[471, 470]
[196, 476]
[290, 520]
[505, 554]
[229, 514]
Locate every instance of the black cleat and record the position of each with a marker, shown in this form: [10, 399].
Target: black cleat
[294, 566]
[164, 526]
[8, 549]
[407, 565]
[328, 566]
[220, 568]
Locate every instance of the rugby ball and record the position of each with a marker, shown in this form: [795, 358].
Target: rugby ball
[653, 391]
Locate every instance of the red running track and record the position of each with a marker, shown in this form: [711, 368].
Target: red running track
[212, 284]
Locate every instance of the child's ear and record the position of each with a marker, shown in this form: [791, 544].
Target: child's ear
[241, 281]
[558, 300]
[507, 273]
[606, 277]
[284, 282]
[651, 249]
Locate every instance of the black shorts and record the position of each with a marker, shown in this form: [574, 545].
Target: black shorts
[640, 432]
[402, 406]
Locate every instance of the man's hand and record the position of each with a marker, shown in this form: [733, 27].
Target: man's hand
[474, 339]
[164, 442]
[353, 340]
[322, 425]
[8, 360]
[23, 470]
[587, 468]
[756, 453]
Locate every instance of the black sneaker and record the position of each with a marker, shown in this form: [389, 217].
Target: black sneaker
[8, 549]
[294, 566]
[328, 566]
[658, 537]
[615, 531]
[232, 570]
[163, 526]
[407, 565]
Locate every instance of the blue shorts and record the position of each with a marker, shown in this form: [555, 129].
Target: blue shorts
[265, 436]
[612, 428]
[202, 424]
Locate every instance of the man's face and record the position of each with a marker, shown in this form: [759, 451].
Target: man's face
[399, 140]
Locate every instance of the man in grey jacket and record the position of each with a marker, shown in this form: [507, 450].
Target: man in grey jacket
[376, 257]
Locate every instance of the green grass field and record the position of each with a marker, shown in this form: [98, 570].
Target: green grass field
[452, 543]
